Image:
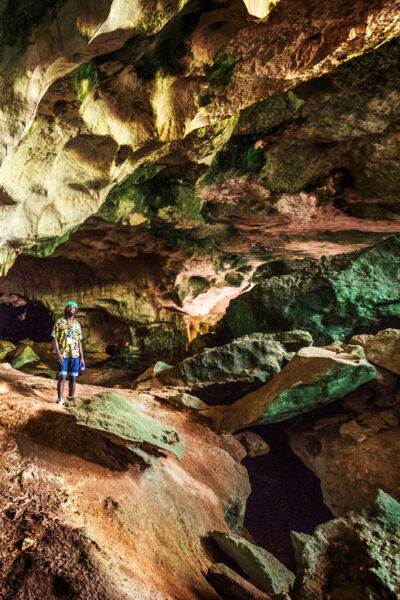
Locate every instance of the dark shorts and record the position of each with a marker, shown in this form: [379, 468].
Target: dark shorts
[70, 366]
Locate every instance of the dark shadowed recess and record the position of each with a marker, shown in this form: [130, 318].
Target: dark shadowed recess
[285, 496]
[23, 318]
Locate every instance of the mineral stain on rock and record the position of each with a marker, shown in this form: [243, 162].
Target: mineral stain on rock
[217, 186]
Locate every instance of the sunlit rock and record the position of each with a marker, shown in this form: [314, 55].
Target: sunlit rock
[382, 349]
[115, 417]
[23, 355]
[224, 372]
[314, 377]
[101, 525]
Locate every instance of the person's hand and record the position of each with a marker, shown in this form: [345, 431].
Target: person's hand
[60, 359]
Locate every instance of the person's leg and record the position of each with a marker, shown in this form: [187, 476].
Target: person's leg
[60, 387]
[72, 386]
[73, 372]
[61, 381]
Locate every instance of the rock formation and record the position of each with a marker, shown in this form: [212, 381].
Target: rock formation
[216, 184]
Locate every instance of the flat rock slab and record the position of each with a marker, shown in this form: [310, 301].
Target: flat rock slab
[117, 418]
[382, 349]
[264, 570]
[314, 377]
[217, 372]
[232, 586]
[354, 557]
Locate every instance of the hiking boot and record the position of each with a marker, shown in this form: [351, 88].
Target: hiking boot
[61, 402]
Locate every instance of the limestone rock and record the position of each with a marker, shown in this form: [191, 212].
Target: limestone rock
[218, 373]
[23, 355]
[332, 299]
[116, 417]
[299, 540]
[232, 586]
[180, 399]
[352, 449]
[264, 570]
[314, 377]
[367, 543]
[103, 527]
[255, 445]
[6, 348]
[382, 349]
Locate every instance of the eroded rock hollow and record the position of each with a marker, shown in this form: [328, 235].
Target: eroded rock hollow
[217, 186]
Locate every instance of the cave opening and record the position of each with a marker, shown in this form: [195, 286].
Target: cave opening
[285, 496]
[23, 318]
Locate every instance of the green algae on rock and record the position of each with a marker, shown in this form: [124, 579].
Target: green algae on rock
[23, 355]
[333, 299]
[314, 377]
[354, 557]
[264, 570]
[6, 348]
[120, 420]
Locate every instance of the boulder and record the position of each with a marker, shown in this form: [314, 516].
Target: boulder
[333, 299]
[231, 586]
[23, 355]
[354, 557]
[6, 348]
[313, 378]
[299, 540]
[264, 570]
[353, 448]
[222, 373]
[114, 416]
[382, 349]
[255, 445]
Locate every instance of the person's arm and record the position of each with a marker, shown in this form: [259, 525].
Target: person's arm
[81, 353]
[57, 349]
[55, 343]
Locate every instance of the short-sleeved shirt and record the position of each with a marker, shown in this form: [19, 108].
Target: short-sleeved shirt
[68, 336]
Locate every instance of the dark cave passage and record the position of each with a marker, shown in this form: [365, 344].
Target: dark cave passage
[24, 318]
[285, 496]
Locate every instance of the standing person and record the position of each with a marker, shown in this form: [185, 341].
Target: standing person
[67, 340]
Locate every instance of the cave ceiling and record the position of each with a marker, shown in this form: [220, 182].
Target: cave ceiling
[155, 155]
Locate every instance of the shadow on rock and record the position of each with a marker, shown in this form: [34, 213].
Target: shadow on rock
[61, 432]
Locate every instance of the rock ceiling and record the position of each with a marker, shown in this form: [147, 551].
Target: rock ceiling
[161, 153]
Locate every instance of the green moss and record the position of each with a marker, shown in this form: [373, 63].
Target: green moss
[46, 247]
[124, 198]
[221, 71]
[238, 155]
[84, 78]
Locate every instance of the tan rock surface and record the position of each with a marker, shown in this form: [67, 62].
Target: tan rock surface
[313, 377]
[75, 494]
[382, 349]
[353, 449]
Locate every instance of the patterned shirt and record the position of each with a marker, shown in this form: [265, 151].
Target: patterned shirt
[67, 336]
